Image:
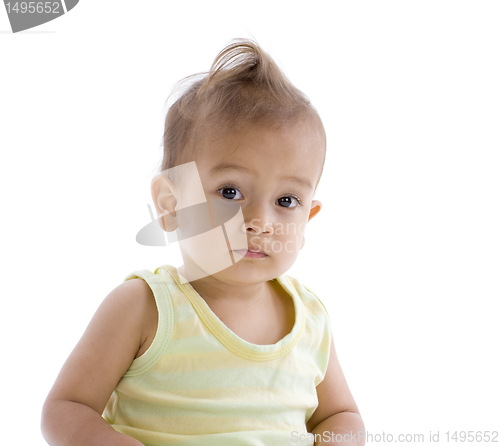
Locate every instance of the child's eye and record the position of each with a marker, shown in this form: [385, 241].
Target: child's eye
[288, 201]
[230, 192]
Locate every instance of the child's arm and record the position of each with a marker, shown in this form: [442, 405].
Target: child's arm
[336, 419]
[122, 324]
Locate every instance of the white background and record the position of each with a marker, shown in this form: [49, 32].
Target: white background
[405, 253]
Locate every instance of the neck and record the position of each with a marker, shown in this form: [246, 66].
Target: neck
[215, 291]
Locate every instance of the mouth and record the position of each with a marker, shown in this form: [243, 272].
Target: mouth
[251, 253]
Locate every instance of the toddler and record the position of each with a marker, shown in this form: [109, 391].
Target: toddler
[227, 349]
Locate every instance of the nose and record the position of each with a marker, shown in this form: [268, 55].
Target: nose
[258, 220]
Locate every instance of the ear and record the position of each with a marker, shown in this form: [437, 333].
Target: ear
[315, 208]
[162, 192]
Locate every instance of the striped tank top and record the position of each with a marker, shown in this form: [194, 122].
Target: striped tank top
[201, 384]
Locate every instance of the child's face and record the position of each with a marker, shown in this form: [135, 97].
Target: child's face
[271, 173]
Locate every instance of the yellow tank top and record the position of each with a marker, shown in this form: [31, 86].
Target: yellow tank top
[201, 384]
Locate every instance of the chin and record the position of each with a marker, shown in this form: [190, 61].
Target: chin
[247, 271]
[244, 271]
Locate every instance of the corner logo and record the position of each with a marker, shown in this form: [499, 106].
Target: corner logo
[28, 14]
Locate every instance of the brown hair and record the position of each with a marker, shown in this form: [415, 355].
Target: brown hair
[243, 85]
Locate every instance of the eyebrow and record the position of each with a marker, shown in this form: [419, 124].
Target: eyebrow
[227, 166]
[301, 181]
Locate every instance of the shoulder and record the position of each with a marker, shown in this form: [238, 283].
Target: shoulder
[315, 312]
[113, 339]
[132, 293]
[310, 300]
[317, 332]
[132, 304]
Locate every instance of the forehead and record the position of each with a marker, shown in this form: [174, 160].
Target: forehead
[293, 149]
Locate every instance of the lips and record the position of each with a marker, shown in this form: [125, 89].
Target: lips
[254, 249]
[252, 253]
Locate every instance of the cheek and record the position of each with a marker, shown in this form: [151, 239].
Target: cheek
[292, 238]
[285, 244]
[290, 230]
